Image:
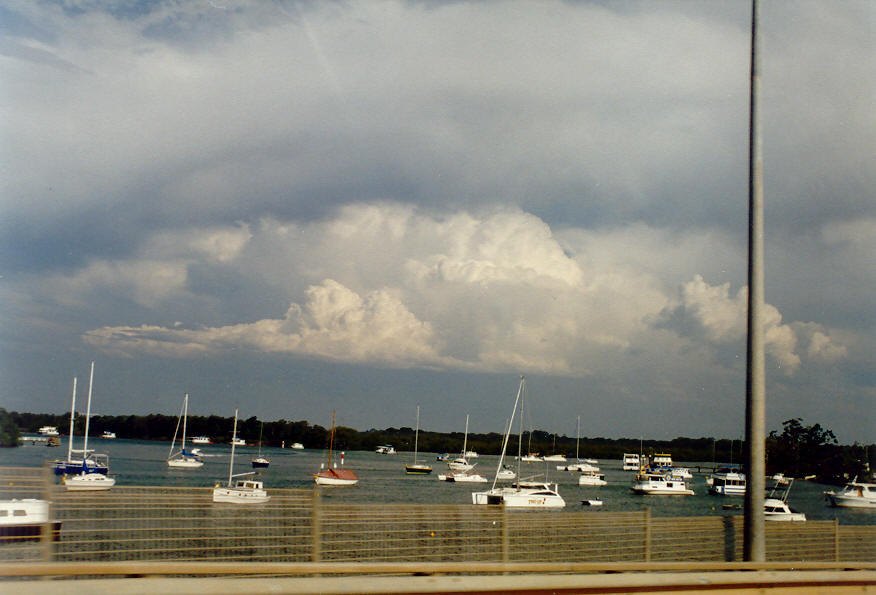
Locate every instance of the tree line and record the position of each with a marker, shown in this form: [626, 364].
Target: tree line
[798, 451]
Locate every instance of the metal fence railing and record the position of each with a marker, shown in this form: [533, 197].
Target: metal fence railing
[128, 524]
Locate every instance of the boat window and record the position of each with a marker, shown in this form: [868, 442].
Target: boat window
[4, 513]
[19, 512]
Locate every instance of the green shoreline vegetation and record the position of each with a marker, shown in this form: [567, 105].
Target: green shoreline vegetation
[797, 451]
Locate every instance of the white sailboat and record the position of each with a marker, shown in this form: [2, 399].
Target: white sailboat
[87, 479]
[523, 494]
[241, 491]
[259, 461]
[460, 463]
[586, 465]
[182, 459]
[416, 468]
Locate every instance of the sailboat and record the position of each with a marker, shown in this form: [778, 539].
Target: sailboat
[97, 463]
[460, 463]
[523, 494]
[183, 459]
[587, 466]
[331, 475]
[241, 491]
[259, 460]
[87, 478]
[416, 468]
[461, 469]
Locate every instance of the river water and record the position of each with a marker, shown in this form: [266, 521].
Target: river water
[382, 479]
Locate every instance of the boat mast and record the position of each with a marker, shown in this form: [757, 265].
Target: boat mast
[508, 436]
[465, 438]
[72, 413]
[261, 429]
[578, 437]
[331, 441]
[417, 435]
[520, 431]
[233, 440]
[185, 419]
[173, 442]
[87, 417]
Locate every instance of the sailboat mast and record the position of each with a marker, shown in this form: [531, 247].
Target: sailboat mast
[578, 438]
[520, 430]
[87, 416]
[233, 440]
[331, 441]
[417, 435]
[465, 438]
[185, 419]
[72, 414]
[508, 436]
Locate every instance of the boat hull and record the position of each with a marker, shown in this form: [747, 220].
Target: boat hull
[240, 496]
[840, 501]
[88, 482]
[336, 477]
[185, 463]
[260, 463]
[75, 467]
[418, 469]
[462, 478]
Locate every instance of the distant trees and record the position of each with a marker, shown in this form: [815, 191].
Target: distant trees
[8, 429]
[813, 451]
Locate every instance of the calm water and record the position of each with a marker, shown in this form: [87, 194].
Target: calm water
[382, 479]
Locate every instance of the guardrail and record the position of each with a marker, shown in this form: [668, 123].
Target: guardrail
[136, 524]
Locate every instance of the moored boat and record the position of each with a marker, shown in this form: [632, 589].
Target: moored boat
[240, 491]
[631, 462]
[651, 483]
[24, 519]
[107, 435]
[591, 478]
[727, 481]
[385, 449]
[88, 482]
[48, 431]
[201, 440]
[331, 474]
[855, 494]
[415, 467]
[182, 459]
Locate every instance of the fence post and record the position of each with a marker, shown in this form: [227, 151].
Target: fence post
[836, 540]
[506, 546]
[47, 533]
[646, 517]
[316, 527]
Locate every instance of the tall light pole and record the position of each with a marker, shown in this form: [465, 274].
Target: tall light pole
[754, 543]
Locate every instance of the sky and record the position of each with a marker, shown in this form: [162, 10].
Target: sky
[296, 207]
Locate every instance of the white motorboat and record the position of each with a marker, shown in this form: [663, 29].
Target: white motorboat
[23, 520]
[661, 460]
[238, 442]
[727, 482]
[591, 478]
[415, 467]
[48, 431]
[182, 459]
[241, 491]
[523, 494]
[470, 454]
[591, 502]
[462, 477]
[201, 440]
[331, 474]
[631, 462]
[554, 458]
[383, 449]
[107, 435]
[88, 482]
[581, 465]
[856, 494]
[659, 484]
[505, 473]
[775, 506]
[297, 446]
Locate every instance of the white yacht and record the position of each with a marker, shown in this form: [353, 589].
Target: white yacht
[108, 435]
[23, 520]
[856, 494]
[523, 494]
[727, 482]
[383, 449]
[630, 462]
[201, 440]
[88, 482]
[48, 431]
[182, 459]
[661, 460]
[238, 442]
[299, 446]
[654, 483]
[462, 477]
[591, 478]
[241, 491]
[775, 507]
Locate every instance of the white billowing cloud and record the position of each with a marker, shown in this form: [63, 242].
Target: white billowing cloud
[335, 324]
[146, 282]
[722, 317]
[385, 284]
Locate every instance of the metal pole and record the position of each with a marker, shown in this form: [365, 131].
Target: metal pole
[754, 548]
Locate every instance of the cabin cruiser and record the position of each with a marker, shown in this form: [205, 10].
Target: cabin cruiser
[107, 435]
[775, 506]
[48, 431]
[582, 465]
[591, 478]
[201, 440]
[23, 520]
[460, 464]
[384, 449]
[297, 446]
[462, 477]
[856, 494]
[244, 491]
[727, 481]
[654, 483]
[631, 462]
